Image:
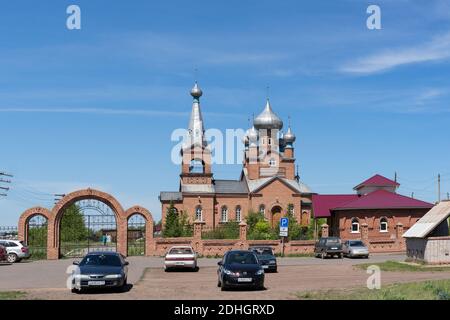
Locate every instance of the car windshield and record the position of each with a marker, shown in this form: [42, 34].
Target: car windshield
[101, 260]
[356, 244]
[241, 258]
[180, 251]
[333, 241]
[263, 251]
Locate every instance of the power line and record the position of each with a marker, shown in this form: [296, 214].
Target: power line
[4, 181]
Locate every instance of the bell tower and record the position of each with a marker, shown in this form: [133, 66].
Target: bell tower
[196, 155]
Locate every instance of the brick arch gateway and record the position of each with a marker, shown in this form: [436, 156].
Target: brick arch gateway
[55, 215]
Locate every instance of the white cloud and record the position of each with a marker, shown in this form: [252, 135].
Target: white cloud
[437, 49]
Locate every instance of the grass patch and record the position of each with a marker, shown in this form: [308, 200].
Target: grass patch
[428, 290]
[399, 266]
[12, 295]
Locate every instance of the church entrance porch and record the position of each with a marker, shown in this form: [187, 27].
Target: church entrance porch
[276, 214]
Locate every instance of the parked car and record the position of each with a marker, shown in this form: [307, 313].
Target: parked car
[240, 268]
[328, 247]
[266, 258]
[180, 257]
[355, 248]
[16, 250]
[3, 254]
[101, 270]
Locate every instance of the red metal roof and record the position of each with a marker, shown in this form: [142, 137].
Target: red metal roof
[377, 180]
[323, 205]
[382, 199]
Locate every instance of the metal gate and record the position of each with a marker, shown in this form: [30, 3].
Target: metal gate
[136, 235]
[37, 237]
[87, 226]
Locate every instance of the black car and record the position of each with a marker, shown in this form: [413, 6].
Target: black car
[240, 268]
[328, 247]
[266, 258]
[100, 270]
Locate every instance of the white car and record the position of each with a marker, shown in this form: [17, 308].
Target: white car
[180, 257]
[15, 250]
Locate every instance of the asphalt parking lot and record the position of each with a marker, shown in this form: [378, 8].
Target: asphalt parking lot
[52, 274]
[298, 275]
[47, 279]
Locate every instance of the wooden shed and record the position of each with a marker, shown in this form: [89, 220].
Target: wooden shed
[428, 239]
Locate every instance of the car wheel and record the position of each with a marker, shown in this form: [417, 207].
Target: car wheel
[223, 288]
[12, 258]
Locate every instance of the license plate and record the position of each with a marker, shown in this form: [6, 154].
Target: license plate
[245, 279]
[96, 283]
[179, 263]
[334, 248]
[265, 267]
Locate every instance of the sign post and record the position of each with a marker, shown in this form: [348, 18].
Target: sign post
[284, 227]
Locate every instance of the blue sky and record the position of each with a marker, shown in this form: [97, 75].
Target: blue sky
[96, 107]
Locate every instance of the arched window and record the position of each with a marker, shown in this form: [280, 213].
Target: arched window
[262, 210]
[383, 225]
[199, 213]
[224, 215]
[355, 225]
[272, 162]
[196, 166]
[238, 214]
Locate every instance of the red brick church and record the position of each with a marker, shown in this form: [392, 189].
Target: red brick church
[268, 182]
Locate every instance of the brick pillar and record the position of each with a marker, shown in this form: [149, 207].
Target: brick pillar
[198, 226]
[325, 230]
[122, 230]
[365, 233]
[149, 241]
[399, 234]
[52, 239]
[242, 231]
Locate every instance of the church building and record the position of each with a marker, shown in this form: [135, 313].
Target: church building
[268, 182]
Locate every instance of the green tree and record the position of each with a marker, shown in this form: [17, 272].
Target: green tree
[177, 224]
[172, 226]
[73, 228]
[259, 228]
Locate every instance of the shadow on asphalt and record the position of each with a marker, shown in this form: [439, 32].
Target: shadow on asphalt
[182, 270]
[127, 288]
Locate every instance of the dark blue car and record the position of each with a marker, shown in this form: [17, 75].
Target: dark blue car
[240, 268]
[100, 270]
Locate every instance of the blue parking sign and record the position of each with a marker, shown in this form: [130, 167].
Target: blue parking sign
[284, 222]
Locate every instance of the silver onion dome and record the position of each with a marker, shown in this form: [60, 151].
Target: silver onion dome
[268, 119]
[289, 136]
[196, 92]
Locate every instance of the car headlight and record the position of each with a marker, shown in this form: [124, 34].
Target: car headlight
[260, 272]
[80, 276]
[272, 261]
[228, 272]
[113, 276]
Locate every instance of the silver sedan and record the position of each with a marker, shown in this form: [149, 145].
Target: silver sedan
[355, 248]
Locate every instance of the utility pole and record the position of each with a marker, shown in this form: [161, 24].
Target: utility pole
[439, 187]
[412, 195]
[395, 176]
[448, 195]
